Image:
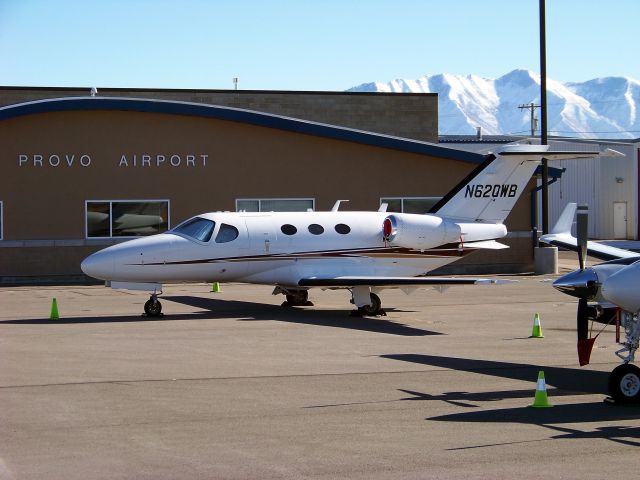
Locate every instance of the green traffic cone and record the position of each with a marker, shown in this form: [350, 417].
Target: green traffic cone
[537, 328]
[541, 400]
[54, 310]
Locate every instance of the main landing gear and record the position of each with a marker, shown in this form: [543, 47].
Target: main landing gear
[368, 303]
[624, 381]
[295, 298]
[153, 307]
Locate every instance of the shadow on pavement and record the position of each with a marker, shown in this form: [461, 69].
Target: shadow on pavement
[326, 318]
[566, 380]
[246, 311]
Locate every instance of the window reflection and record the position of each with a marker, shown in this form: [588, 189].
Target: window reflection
[227, 233]
[410, 204]
[197, 228]
[274, 205]
[98, 223]
[126, 218]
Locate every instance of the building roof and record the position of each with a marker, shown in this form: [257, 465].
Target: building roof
[116, 90]
[481, 140]
[238, 115]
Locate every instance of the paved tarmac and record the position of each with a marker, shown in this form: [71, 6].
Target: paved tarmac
[232, 386]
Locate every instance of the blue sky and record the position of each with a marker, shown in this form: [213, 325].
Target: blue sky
[304, 44]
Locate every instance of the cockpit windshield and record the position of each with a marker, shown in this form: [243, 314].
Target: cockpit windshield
[197, 228]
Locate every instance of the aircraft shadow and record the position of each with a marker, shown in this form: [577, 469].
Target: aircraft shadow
[245, 311]
[266, 312]
[105, 319]
[568, 381]
[558, 414]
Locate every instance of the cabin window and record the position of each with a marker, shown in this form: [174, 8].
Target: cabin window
[197, 228]
[288, 229]
[343, 229]
[227, 233]
[274, 204]
[316, 229]
[124, 218]
[418, 205]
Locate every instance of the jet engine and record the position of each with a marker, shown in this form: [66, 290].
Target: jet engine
[418, 232]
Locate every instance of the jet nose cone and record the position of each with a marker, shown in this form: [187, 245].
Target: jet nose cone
[99, 265]
[581, 284]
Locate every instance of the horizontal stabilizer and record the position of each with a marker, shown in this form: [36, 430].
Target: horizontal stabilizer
[486, 244]
[565, 155]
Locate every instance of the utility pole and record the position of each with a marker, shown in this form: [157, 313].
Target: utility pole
[543, 126]
[534, 120]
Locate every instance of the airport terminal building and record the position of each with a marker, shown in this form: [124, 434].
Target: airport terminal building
[81, 172]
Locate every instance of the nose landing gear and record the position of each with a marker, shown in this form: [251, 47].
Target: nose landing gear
[153, 307]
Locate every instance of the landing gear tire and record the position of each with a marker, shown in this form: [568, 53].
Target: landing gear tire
[153, 308]
[624, 384]
[374, 308]
[299, 297]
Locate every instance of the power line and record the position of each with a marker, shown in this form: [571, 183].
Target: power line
[534, 120]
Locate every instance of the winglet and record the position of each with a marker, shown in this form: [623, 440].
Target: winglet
[564, 223]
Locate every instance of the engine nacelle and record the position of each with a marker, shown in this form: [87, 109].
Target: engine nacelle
[418, 232]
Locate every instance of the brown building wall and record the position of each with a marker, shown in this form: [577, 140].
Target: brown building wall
[44, 206]
[405, 115]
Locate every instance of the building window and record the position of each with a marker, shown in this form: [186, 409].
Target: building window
[274, 204]
[126, 218]
[409, 204]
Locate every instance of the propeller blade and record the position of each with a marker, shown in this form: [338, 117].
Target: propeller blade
[585, 344]
[582, 229]
[583, 319]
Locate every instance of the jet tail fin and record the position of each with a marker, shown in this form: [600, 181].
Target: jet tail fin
[489, 193]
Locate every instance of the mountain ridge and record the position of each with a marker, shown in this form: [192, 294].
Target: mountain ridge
[604, 107]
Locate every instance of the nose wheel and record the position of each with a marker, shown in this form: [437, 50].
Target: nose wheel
[153, 307]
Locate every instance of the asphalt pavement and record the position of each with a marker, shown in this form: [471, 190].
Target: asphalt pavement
[231, 385]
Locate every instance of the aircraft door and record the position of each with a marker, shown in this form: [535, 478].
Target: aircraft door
[262, 237]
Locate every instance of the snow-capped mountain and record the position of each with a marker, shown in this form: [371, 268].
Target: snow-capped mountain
[600, 108]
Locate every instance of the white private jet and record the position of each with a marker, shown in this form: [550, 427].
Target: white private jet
[607, 292]
[364, 252]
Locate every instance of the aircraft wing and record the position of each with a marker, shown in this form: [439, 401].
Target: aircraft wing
[560, 236]
[391, 282]
[594, 249]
